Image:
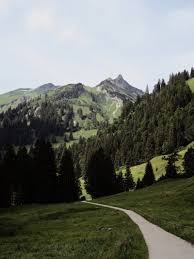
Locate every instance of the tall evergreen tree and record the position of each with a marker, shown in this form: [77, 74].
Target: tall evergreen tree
[25, 175]
[171, 168]
[128, 180]
[68, 184]
[9, 175]
[192, 73]
[100, 174]
[139, 184]
[120, 184]
[148, 178]
[44, 172]
[188, 162]
[5, 199]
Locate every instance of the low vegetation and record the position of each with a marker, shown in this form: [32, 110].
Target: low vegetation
[168, 204]
[191, 84]
[69, 231]
[158, 164]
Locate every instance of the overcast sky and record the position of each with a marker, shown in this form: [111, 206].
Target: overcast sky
[63, 41]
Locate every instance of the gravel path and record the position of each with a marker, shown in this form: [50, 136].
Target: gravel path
[161, 244]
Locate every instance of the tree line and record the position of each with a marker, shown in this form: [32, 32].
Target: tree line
[156, 124]
[35, 177]
[172, 171]
[42, 175]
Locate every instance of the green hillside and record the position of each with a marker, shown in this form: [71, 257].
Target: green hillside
[10, 97]
[158, 164]
[69, 231]
[168, 204]
[191, 84]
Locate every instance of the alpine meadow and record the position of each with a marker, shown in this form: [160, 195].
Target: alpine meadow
[95, 164]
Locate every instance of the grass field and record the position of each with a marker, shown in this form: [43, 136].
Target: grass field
[169, 204]
[69, 231]
[158, 164]
[76, 135]
[191, 84]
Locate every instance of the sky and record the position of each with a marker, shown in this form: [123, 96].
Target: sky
[70, 41]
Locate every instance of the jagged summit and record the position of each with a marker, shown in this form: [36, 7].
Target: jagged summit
[119, 87]
[119, 77]
[45, 88]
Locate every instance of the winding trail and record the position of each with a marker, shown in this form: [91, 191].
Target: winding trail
[161, 244]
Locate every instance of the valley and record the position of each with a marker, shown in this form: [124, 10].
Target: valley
[68, 231]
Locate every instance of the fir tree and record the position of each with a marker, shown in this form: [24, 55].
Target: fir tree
[139, 184]
[148, 178]
[5, 198]
[188, 162]
[128, 180]
[71, 136]
[9, 176]
[120, 184]
[44, 172]
[68, 184]
[171, 168]
[25, 175]
[192, 73]
[100, 174]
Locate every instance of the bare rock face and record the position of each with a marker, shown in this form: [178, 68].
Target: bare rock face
[45, 88]
[120, 88]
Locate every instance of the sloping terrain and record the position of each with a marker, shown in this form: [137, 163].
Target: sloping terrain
[168, 204]
[191, 84]
[51, 110]
[161, 244]
[68, 231]
[158, 164]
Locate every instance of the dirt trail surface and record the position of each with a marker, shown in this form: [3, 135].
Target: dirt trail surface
[161, 244]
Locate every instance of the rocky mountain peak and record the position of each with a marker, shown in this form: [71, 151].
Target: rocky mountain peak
[45, 88]
[119, 77]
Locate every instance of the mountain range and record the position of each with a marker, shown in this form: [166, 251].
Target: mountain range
[111, 88]
[68, 108]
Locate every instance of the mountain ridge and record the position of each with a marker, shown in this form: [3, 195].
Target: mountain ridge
[117, 87]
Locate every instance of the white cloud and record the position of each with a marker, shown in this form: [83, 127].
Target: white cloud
[70, 34]
[181, 19]
[41, 20]
[60, 30]
[4, 4]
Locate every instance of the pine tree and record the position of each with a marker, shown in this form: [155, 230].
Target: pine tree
[171, 168]
[5, 200]
[163, 84]
[68, 184]
[147, 90]
[100, 174]
[128, 181]
[25, 176]
[44, 172]
[9, 176]
[192, 73]
[71, 136]
[120, 184]
[148, 178]
[188, 162]
[139, 184]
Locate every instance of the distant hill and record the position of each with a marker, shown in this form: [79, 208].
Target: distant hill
[119, 88]
[68, 108]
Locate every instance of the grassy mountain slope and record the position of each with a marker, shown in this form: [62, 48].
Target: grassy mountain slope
[191, 84]
[97, 105]
[13, 96]
[69, 231]
[138, 171]
[158, 164]
[168, 204]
